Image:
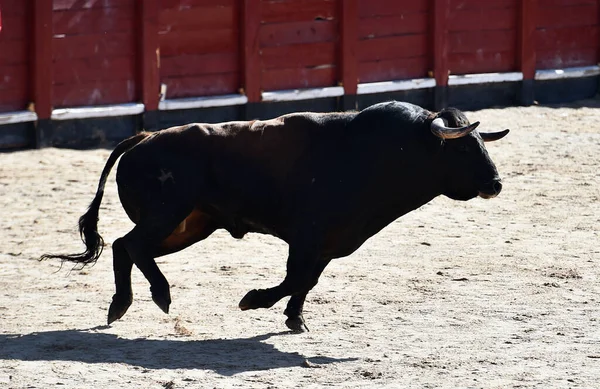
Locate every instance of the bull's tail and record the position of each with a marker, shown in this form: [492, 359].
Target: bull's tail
[88, 223]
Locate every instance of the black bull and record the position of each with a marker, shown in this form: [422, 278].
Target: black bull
[322, 182]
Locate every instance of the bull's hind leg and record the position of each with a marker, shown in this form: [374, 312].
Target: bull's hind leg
[150, 240]
[123, 297]
[141, 245]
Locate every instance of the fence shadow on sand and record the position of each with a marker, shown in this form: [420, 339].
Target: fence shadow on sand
[223, 356]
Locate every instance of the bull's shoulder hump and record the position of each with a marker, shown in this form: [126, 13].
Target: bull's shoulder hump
[318, 118]
[398, 109]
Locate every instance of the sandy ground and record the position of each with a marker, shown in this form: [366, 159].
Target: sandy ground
[483, 294]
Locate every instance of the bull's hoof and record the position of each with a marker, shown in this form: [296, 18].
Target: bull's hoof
[256, 299]
[249, 300]
[118, 307]
[163, 300]
[297, 324]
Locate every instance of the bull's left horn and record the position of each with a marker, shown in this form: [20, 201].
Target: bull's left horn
[439, 129]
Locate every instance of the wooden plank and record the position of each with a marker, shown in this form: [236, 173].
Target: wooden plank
[15, 27]
[14, 77]
[19, 53]
[100, 92]
[184, 5]
[192, 65]
[394, 69]
[382, 26]
[94, 45]
[297, 32]
[251, 81]
[478, 4]
[188, 42]
[94, 20]
[207, 85]
[482, 62]
[403, 46]
[580, 15]
[197, 18]
[565, 3]
[526, 39]
[484, 41]
[299, 10]
[89, 69]
[298, 56]
[371, 8]
[11, 8]
[14, 100]
[349, 46]
[149, 53]
[42, 58]
[483, 19]
[571, 38]
[281, 79]
[440, 42]
[61, 5]
[561, 58]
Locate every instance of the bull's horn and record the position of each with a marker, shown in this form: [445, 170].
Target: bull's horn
[492, 136]
[439, 129]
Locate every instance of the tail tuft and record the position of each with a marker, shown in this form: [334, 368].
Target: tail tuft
[88, 223]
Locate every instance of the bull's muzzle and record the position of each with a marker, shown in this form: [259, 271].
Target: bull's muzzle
[491, 189]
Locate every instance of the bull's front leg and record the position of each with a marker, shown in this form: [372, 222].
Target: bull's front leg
[300, 268]
[295, 306]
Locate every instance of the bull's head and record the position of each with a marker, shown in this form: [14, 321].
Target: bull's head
[468, 170]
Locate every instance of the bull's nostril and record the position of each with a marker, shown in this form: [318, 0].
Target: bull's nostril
[497, 186]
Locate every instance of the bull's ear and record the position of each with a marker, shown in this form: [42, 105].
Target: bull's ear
[492, 136]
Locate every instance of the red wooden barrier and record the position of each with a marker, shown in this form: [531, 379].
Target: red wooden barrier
[527, 39]
[567, 33]
[482, 36]
[69, 53]
[297, 42]
[199, 47]
[349, 46]
[251, 59]
[394, 40]
[94, 56]
[149, 53]
[14, 79]
[440, 42]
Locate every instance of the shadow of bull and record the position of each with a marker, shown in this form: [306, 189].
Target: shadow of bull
[223, 356]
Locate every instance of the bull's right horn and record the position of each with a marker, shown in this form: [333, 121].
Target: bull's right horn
[439, 129]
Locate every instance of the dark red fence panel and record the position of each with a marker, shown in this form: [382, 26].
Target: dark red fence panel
[567, 33]
[98, 52]
[94, 52]
[14, 55]
[298, 44]
[482, 36]
[200, 47]
[394, 39]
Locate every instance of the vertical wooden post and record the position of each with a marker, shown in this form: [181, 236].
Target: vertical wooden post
[251, 14]
[440, 52]
[526, 45]
[348, 62]
[149, 61]
[41, 69]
